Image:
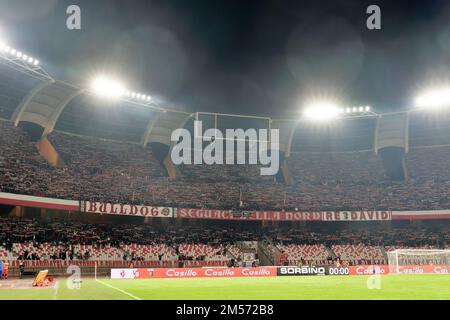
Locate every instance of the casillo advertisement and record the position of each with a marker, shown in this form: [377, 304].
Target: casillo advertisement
[192, 273]
[365, 215]
[413, 269]
[434, 269]
[126, 210]
[369, 270]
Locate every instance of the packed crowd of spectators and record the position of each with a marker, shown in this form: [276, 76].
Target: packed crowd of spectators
[63, 240]
[99, 170]
[401, 237]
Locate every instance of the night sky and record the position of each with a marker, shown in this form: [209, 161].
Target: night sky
[249, 56]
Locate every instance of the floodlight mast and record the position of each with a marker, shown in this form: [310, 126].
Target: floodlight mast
[111, 89]
[18, 62]
[362, 115]
[434, 100]
[151, 105]
[22, 61]
[326, 111]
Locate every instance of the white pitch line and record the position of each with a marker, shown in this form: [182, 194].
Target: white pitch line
[55, 296]
[120, 290]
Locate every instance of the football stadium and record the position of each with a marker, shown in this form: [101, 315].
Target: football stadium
[160, 150]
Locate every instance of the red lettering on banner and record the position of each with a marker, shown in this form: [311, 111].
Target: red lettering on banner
[102, 208]
[154, 212]
[281, 215]
[122, 209]
[133, 210]
[144, 211]
[92, 206]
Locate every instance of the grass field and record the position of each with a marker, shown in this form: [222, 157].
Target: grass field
[304, 288]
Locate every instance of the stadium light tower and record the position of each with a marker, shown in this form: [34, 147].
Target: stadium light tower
[329, 110]
[435, 99]
[21, 61]
[112, 89]
[107, 87]
[17, 55]
[322, 111]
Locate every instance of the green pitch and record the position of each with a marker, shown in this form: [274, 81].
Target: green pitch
[332, 287]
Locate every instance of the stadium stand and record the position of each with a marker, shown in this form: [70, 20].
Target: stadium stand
[156, 252]
[128, 173]
[108, 243]
[359, 254]
[306, 254]
[203, 252]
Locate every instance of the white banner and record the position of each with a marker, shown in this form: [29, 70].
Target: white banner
[127, 210]
[363, 215]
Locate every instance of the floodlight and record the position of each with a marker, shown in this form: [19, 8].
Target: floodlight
[107, 88]
[322, 111]
[36, 62]
[434, 99]
[367, 108]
